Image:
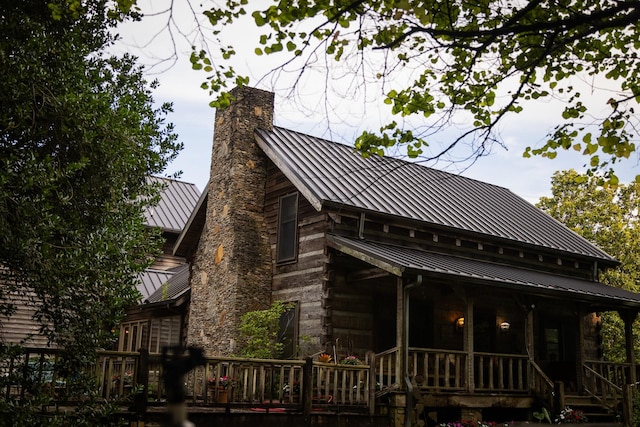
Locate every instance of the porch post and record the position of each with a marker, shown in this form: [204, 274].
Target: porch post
[629, 317]
[400, 368]
[580, 359]
[468, 344]
[530, 345]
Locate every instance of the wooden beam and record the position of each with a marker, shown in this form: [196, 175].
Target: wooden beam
[468, 344]
[368, 274]
[580, 356]
[629, 317]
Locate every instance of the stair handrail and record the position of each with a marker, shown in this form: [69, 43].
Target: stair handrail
[542, 385]
[601, 399]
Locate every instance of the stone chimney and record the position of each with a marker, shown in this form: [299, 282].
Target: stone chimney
[231, 269]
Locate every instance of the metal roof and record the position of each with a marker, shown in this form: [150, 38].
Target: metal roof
[177, 285]
[152, 280]
[177, 201]
[398, 260]
[326, 172]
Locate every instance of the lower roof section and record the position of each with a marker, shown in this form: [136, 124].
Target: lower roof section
[402, 261]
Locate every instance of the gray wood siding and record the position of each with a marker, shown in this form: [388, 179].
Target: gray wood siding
[21, 328]
[302, 280]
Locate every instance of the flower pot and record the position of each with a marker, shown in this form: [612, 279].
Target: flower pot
[219, 394]
[223, 395]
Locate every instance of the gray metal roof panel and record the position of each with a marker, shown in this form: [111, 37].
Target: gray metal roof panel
[407, 259]
[152, 280]
[328, 172]
[177, 201]
[177, 284]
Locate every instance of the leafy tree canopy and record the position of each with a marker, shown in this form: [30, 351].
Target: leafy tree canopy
[78, 136]
[483, 61]
[609, 217]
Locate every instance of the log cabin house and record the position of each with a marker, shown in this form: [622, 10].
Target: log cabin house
[475, 303]
[177, 201]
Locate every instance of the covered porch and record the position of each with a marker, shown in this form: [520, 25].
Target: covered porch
[486, 338]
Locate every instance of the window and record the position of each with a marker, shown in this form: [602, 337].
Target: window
[288, 332]
[133, 335]
[287, 245]
[152, 335]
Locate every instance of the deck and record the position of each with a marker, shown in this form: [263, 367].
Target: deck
[438, 378]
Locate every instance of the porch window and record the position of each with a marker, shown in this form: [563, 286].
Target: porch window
[552, 344]
[165, 332]
[287, 244]
[288, 332]
[133, 336]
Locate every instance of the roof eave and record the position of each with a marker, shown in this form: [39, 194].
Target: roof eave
[609, 262]
[291, 174]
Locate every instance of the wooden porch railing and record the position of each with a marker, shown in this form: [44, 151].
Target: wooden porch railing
[438, 369]
[387, 371]
[501, 373]
[616, 373]
[601, 388]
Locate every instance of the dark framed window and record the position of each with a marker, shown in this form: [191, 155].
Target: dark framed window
[287, 245]
[288, 331]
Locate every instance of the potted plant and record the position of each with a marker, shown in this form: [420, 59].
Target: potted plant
[220, 388]
[351, 360]
[324, 358]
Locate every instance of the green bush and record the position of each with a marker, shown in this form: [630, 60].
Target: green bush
[259, 332]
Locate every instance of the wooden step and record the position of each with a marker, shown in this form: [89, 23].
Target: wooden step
[592, 409]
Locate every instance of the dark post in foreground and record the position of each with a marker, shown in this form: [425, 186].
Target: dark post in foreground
[175, 365]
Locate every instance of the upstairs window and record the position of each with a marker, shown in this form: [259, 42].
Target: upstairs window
[287, 245]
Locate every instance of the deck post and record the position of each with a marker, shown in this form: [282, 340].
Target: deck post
[307, 388]
[142, 380]
[627, 405]
[371, 401]
[559, 401]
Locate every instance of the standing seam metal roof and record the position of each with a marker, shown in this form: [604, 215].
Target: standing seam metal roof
[335, 173]
[177, 200]
[402, 259]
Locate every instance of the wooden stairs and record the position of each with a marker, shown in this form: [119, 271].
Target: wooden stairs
[596, 412]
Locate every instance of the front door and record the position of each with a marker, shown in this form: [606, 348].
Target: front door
[557, 349]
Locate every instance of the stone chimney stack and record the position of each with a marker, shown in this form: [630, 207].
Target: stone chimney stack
[231, 269]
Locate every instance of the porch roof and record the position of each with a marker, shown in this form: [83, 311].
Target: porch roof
[400, 261]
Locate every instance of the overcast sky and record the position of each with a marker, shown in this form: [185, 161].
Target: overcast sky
[193, 118]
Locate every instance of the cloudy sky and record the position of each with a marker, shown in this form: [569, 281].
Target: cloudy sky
[305, 110]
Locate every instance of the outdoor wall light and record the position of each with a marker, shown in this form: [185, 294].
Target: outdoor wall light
[459, 323]
[504, 326]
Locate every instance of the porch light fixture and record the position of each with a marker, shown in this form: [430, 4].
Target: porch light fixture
[459, 323]
[504, 326]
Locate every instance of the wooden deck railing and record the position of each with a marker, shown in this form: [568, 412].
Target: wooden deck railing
[298, 385]
[294, 385]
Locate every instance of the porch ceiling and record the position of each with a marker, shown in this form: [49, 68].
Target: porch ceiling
[400, 261]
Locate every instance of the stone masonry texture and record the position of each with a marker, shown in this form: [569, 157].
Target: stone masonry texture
[231, 269]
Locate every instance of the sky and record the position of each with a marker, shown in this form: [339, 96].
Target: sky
[530, 178]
